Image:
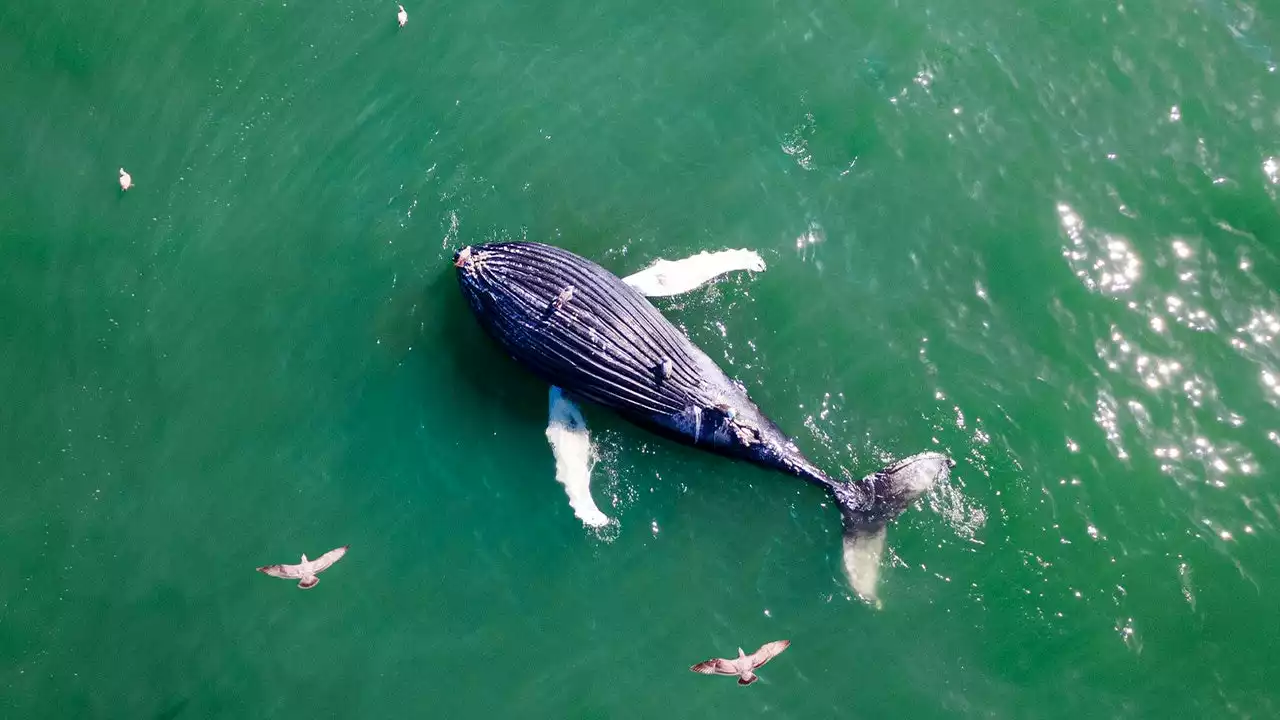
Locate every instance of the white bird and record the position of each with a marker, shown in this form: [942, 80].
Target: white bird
[744, 665]
[402, 16]
[126, 181]
[306, 571]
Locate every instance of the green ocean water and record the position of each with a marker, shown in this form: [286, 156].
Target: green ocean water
[1041, 237]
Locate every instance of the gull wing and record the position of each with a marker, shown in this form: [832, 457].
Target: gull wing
[288, 572]
[327, 559]
[768, 651]
[715, 666]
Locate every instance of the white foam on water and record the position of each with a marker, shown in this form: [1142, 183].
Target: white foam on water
[964, 516]
[672, 277]
[571, 444]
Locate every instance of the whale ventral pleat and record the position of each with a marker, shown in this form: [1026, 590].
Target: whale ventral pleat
[601, 337]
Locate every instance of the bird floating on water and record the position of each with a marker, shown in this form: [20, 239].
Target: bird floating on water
[402, 16]
[126, 180]
[306, 571]
[744, 665]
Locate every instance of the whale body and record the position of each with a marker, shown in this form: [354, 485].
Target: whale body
[579, 327]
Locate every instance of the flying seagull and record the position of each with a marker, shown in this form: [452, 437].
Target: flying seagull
[744, 665]
[402, 16]
[126, 180]
[306, 571]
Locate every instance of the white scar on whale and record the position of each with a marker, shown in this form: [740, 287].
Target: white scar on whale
[567, 430]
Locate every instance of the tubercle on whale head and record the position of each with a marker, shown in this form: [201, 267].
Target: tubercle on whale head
[470, 264]
[462, 257]
[477, 288]
[469, 261]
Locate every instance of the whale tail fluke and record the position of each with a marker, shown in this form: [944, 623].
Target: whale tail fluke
[861, 555]
[866, 507]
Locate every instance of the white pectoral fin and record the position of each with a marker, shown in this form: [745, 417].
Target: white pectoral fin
[863, 553]
[571, 444]
[672, 277]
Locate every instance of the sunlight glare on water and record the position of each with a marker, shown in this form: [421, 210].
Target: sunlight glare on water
[1040, 238]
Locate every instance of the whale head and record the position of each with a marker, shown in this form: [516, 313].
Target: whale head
[487, 282]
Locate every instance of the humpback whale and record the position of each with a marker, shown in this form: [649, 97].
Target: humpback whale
[593, 335]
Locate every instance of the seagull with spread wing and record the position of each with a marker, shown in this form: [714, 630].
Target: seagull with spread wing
[744, 665]
[306, 571]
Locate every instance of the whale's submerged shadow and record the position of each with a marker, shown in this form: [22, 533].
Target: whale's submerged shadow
[432, 313]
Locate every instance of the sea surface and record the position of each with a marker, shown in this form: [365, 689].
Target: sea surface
[1042, 237]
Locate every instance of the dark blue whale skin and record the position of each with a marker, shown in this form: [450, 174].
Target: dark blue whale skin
[578, 326]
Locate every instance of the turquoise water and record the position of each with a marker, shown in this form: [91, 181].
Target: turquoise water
[1039, 237]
